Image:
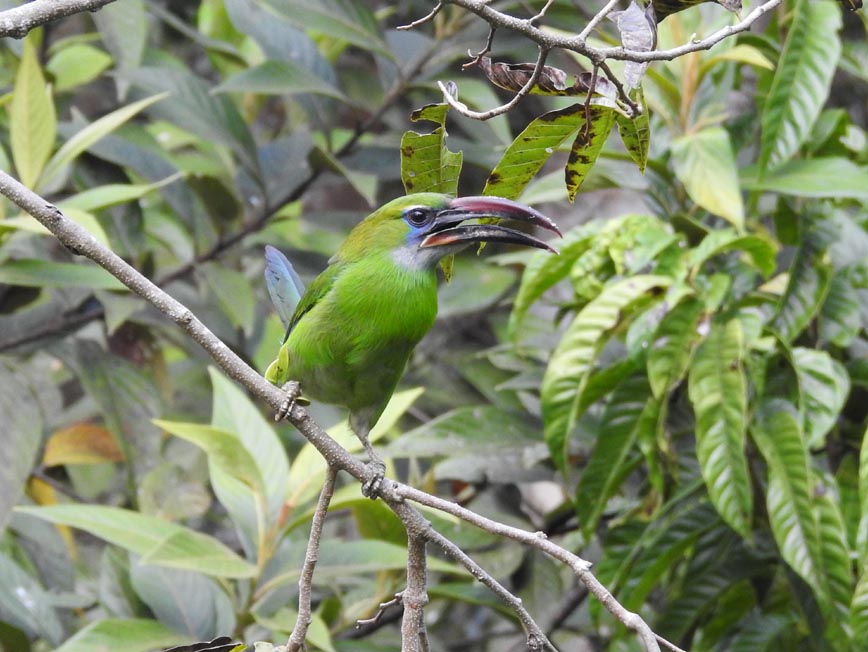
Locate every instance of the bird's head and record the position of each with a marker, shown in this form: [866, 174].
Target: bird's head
[423, 228]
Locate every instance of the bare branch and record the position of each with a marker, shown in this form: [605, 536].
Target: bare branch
[424, 19]
[305, 582]
[477, 58]
[397, 599]
[503, 108]
[542, 12]
[19, 21]
[414, 637]
[592, 24]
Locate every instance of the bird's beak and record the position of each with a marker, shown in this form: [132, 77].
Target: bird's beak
[446, 229]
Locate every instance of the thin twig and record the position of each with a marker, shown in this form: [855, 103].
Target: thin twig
[424, 19]
[415, 597]
[381, 610]
[305, 582]
[635, 109]
[477, 58]
[17, 22]
[487, 115]
[542, 12]
[598, 17]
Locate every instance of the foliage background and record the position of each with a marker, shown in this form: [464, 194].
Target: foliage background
[680, 396]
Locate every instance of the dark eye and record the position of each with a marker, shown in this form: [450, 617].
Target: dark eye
[416, 216]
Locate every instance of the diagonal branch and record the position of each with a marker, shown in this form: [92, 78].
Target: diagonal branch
[17, 22]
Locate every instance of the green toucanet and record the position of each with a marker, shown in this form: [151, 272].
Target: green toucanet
[351, 334]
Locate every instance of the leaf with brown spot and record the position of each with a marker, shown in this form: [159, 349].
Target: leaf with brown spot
[83, 443]
[587, 146]
[551, 81]
[636, 132]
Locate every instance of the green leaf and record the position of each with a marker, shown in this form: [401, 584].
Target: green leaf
[32, 120]
[862, 532]
[607, 467]
[232, 291]
[788, 497]
[427, 165]
[77, 64]
[760, 250]
[531, 149]
[344, 20]
[636, 132]
[836, 178]
[859, 607]
[573, 359]
[809, 279]
[122, 635]
[673, 345]
[718, 391]
[587, 146]
[124, 31]
[835, 556]
[233, 412]
[25, 603]
[278, 78]
[544, 270]
[704, 162]
[824, 385]
[801, 82]
[101, 197]
[193, 107]
[43, 273]
[21, 434]
[158, 541]
[224, 450]
[92, 133]
[840, 318]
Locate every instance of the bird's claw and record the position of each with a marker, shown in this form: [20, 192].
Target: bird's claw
[375, 471]
[292, 389]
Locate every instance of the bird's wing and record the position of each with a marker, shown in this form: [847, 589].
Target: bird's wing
[316, 291]
[284, 285]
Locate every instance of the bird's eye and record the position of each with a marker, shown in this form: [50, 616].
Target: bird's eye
[416, 216]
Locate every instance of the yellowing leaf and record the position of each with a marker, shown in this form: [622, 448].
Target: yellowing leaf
[83, 443]
[705, 164]
[33, 123]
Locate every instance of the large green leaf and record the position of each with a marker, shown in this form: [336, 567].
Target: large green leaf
[573, 359]
[25, 603]
[343, 20]
[124, 31]
[544, 270]
[618, 432]
[859, 607]
[705, 164]
[75, 65]
[531, 149]
[89, 135]
[809, 279]
[830, 177]
[33, 123]
[824, 385]
[760, 250]
[718, 391]
[862, 531]
[802, 80]
[122, 635]
[278, 78]
[835, 556]
[636, 132]
[48, 274]
[427, 165]
[673, 345]
[587, 146]
[840, 319]
[21, 434]
[158, 541]
[788, 496]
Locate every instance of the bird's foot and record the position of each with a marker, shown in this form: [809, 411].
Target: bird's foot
[292, 389]
[375, 471]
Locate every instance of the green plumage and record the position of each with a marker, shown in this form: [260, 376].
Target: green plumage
[358, 322]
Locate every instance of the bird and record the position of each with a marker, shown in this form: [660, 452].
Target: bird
[352, 333]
